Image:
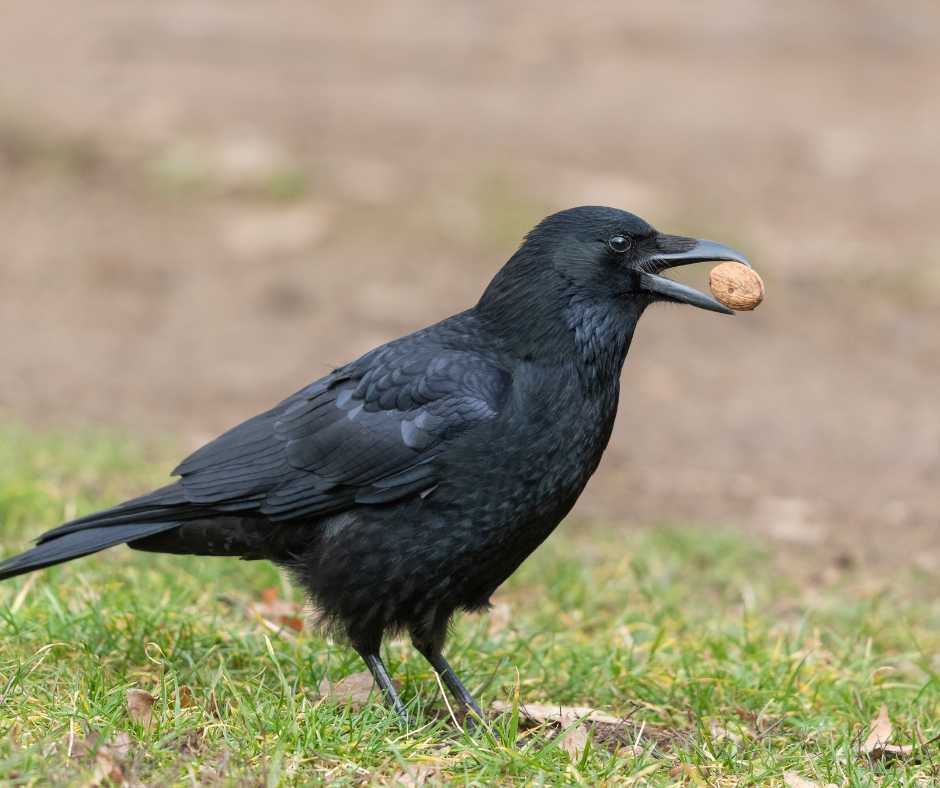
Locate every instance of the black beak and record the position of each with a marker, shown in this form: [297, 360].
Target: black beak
[673, 250]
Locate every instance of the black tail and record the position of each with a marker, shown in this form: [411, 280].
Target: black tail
[163, 521]
[78, 543]
[154, 513]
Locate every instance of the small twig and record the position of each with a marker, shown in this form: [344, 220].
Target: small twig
[629, 715]
[769, 729]
[278, 629]
[639, 734]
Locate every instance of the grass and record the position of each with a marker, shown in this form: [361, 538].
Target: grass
[727, 669]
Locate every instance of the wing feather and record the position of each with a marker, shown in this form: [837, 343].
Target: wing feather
[367, 434]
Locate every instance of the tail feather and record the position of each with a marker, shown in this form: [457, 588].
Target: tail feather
[166, 503]
[162, 521]
[78, 543]
[157, 512]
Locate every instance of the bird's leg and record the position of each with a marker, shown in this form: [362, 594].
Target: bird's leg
[430, 646]
[380, 674]
[455, 685]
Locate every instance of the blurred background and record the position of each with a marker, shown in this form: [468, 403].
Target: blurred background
[205, 205]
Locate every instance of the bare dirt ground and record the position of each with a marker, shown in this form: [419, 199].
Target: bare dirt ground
[205, 205]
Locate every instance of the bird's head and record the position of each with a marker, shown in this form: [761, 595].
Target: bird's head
[601, 262]
[614, 254]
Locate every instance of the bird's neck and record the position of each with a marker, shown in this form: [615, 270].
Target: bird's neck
[601, 340]
[556, 327]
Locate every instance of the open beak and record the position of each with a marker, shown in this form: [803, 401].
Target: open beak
[674, 250]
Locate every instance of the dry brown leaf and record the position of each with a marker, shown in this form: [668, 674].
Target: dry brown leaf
[876, 746]
[215, 774]
[897, 750]
[140, 706]
[187, 698]
[891, 751]
[107, 770]
[355, 690]
[575, 742]
[110, 756]
[879, 733]
[543, 712]
[293, 622]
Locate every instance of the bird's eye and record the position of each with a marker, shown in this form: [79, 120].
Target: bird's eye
[619, 244]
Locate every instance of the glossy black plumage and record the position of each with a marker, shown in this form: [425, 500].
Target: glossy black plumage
[412, 482]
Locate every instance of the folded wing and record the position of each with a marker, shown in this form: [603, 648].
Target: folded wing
[369, 433]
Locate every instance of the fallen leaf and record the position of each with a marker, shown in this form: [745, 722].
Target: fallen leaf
[575, 742]
[110, 756]
[107, 770]
[876, 746]
[891, 751]
[879, 732]
[543, 712]
[186, 696]
[140, 706]
[355, 690]
[119, 745]
[294, 622]
[215, 774]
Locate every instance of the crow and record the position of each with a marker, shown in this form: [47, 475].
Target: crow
[410, 483]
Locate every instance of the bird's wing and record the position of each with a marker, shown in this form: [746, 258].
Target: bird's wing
[367, 434]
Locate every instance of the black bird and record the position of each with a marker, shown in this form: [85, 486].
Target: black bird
[410, 483]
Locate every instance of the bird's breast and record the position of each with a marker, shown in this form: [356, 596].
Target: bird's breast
[530, 467]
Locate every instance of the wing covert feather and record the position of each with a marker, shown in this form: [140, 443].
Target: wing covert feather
[367, 434]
